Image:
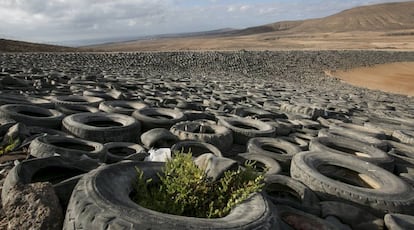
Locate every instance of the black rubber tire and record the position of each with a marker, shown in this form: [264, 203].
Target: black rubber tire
[77, 100]
[297, 219]
[217, 135]
[101, 201]
[254, 128]
[349, 130]
[25, 100]
[262, 163]
[196, 148]
[387, 192]
[381, 144]
[302, 144]
[72, 109]
[61, 173]
[103, 127]
[147, 117]
[280, 150]
[395, 221]
[73, 149]
[31, 115]
[353, 216]
[284, 190]
[404, 136]
[118, 151]
[341, 145]
[158, 138]
[122, 107]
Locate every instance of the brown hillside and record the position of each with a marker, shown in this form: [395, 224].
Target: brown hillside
[381, 17]
[19, 46]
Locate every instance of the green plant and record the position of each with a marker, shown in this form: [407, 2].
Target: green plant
[10, 146]
[185, 190]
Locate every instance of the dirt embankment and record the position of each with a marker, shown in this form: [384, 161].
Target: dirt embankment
[392, 77]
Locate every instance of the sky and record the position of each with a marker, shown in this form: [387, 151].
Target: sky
[71, 21]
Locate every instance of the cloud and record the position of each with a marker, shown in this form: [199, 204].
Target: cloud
[60, 20]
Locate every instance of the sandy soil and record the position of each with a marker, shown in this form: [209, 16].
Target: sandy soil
[392, 77]
[399, 40]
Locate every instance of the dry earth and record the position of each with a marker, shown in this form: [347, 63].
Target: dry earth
[392, 77]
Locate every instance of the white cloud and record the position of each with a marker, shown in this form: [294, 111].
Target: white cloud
[59, 20]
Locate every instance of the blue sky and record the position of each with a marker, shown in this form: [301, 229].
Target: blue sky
[67, 20]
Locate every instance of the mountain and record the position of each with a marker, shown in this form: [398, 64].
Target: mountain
[381, 26]
[20, 46]
[381, 17]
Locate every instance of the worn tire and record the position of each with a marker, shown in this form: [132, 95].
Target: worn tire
[77, 100]
[353, 148]
[379, 189]
[261, 162]
[280, 150]
[196, 148]
[101, 201]
[118, 151]
[158, 138]
[217, 135]
[158, 117]
[32, 115]
[73, 149]
[284, 190]
[103, 127]
[245, 128]
[122, 107]
[404, 136]
[395, 221]
[61, 173]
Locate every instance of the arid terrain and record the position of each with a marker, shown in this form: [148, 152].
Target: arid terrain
[392, 77]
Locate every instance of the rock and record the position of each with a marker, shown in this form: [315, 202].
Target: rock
[33, 206]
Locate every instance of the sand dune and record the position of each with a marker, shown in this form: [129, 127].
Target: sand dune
[392, 77]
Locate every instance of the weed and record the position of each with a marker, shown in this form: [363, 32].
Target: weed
[185, 190]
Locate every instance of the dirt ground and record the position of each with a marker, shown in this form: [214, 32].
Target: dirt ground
[402, 40]
[391, 77]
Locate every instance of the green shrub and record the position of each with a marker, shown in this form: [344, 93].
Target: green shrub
[10, 146]
[185, 190]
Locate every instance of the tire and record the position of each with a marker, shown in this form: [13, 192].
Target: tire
[25, 100]
[122, 107]
[61, 173]
[284, 190]
[280, 150]
[349, 130]
[395, 221]
[31, 115]
[101, 201]
[158, 138]
[381, 144]
[72, 109]
[217, 135]
[72, 149]
[245, 128]
[354, 148]
[353, 216]
[297, 219]
[262, 163]
[302, 144]
[77, 100]
[166, 117]
[403, 155]
[118, 151]
[378, 189]
[103, 127]
[404, 136]
[196, 148]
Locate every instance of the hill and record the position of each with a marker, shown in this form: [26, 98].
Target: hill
[381, 26]
[20, 46]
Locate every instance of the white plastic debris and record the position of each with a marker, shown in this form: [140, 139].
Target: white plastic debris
[159, 155]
